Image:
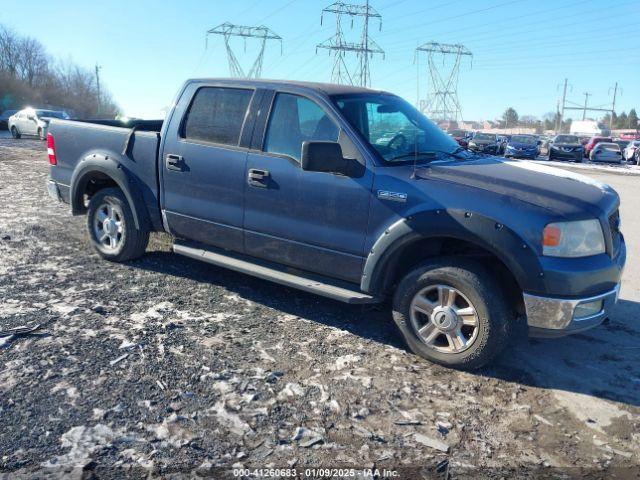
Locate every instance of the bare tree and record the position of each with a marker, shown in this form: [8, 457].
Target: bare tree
[29, 76]
[9, 51]
[32, 60]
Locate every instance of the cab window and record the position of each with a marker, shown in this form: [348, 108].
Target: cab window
[294, 120]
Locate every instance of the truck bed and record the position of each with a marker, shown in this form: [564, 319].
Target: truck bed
[135, 147]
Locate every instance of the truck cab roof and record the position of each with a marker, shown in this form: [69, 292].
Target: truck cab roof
[325, 88]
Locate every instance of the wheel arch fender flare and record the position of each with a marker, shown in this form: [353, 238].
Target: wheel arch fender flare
[97, 164]
[496, 238]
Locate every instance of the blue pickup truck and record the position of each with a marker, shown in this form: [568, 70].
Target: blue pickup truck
[352, 194]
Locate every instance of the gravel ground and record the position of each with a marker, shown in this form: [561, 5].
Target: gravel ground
[166, 365]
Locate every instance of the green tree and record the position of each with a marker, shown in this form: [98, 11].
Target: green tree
[633, 119]
[510, 118]
[623, 121]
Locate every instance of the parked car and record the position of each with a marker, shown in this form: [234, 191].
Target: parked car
[33, 122]
[286, 181]
[629, 153]
[4, 119]
[606, 152]
[485, 143]
[621, 143]
[565, 147]
[502, 143]
[593, 141]
[461, 137]
[522, 146]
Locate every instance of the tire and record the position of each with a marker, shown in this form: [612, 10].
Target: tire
[474, 287]
[15, 133]
[119, 240]
[41, 134]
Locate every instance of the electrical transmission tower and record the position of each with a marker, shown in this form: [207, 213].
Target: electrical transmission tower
[442, 101]
[261, 33]
[365, 49]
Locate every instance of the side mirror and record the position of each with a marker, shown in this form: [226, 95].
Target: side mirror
[325, 157]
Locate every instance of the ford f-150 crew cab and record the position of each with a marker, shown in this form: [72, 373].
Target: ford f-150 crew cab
[352, 194]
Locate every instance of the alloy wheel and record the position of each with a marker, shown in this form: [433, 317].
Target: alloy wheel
[444, 319]
[108, 225]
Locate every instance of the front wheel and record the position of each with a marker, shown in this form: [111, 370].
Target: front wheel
[453, 312]
[14, 132]
[112, 228]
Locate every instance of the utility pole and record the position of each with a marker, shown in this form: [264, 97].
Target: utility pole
[564, 97]
[365, 49]
[98, 68]
[613, 106]
[584, 111]
[261, 33]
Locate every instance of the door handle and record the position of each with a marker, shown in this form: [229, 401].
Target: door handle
[258, 178]
[175, 162]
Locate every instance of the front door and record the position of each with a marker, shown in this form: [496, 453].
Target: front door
[204, 164]
[309, 220]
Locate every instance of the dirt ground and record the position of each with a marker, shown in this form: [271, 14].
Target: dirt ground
[167, 366]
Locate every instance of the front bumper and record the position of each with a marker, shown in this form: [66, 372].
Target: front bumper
[491, 149]
[529, 154]
[561, 154]
[556, 317]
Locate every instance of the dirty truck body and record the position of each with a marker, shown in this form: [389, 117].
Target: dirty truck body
[351, 194]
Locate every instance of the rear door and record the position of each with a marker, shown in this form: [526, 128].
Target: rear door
[204, 164]
[309, 220]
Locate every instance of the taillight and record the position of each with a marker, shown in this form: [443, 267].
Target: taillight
[51, 150]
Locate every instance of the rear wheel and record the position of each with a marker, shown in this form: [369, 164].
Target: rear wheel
[14, 132]
[112, 228]
[453, 312]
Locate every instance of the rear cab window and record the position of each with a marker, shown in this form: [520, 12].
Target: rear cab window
[216, 115]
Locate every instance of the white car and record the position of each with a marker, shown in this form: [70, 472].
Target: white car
[629, 152]
[606, 152]
[31, 121]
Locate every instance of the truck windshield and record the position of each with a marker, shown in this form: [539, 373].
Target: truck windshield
[396, 130]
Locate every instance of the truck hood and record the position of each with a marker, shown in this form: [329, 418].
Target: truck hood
[562, 192]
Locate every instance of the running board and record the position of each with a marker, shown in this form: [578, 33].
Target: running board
[330, 288]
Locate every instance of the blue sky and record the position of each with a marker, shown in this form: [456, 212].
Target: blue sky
[523, 49]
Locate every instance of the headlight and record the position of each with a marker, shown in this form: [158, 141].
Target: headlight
[573, 239]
